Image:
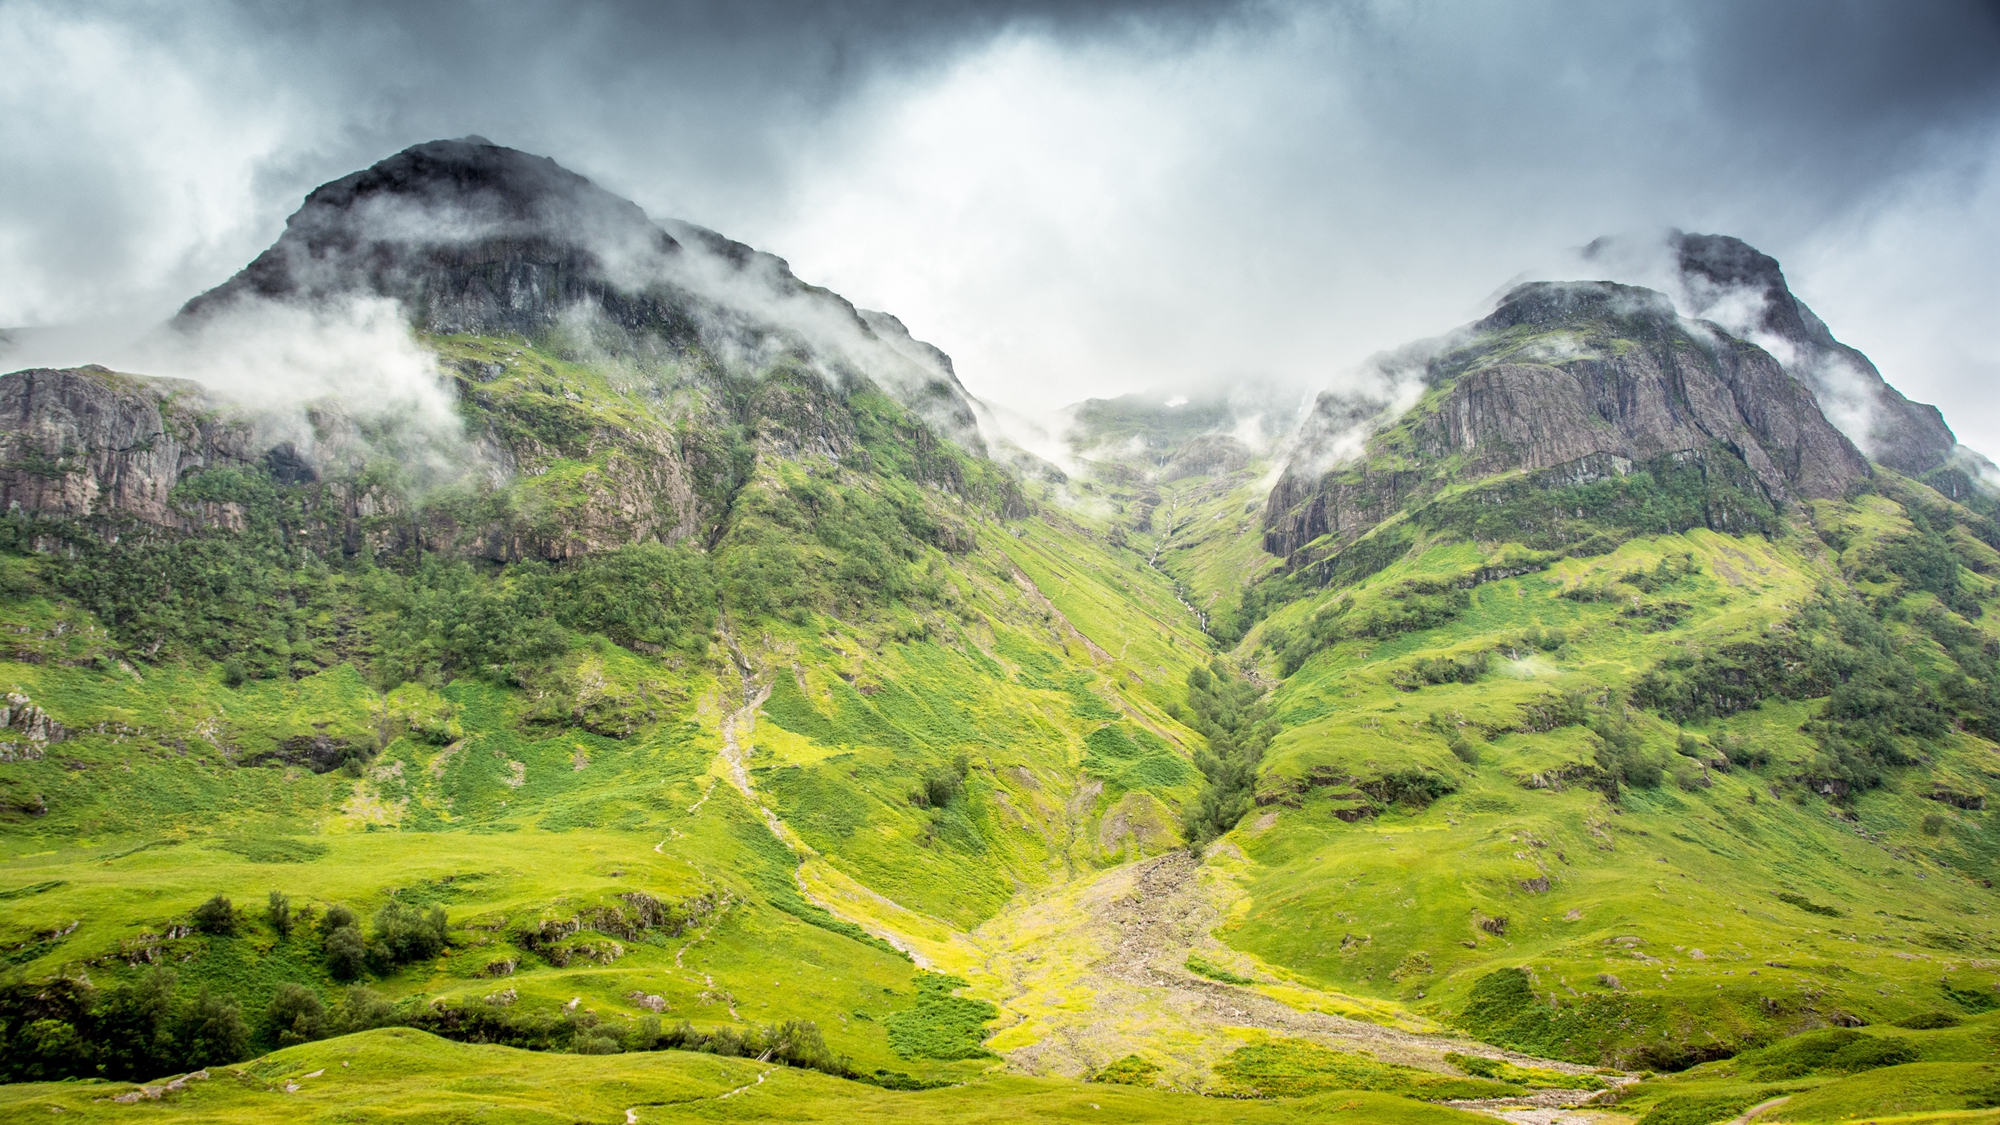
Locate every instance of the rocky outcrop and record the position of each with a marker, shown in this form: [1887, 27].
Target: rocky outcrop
[26, 731]
[89, 443]
[1720, 272]
[1589, 376]
[1675, 391]
[1207, 455]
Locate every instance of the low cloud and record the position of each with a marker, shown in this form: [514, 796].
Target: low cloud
[344, 381]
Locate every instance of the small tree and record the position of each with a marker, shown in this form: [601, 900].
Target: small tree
[212, 1032]
[135, 1025]
[346, 952]
[295, 1015]
[216, 916]
[360, 1010]
[279, 912]
[408, 934]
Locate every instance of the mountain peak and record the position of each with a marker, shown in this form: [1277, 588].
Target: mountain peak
[1553, 302]
[1720, 271]
[438, 207]
[474, 238]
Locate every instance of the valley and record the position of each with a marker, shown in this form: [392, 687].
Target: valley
[714, 721]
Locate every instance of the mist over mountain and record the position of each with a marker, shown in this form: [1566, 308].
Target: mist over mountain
[475, 239]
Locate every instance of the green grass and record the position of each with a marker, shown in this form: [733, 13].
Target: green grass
[405, 1075]
[1526, 863]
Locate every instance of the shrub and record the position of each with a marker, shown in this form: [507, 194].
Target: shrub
[1621, 753]
[212, 1031]
[1442, 670]
[295, 1015]
[941, 786]
[361, 1009]
[346, 952]
[404, 933]
[216, 916]
[279, 913]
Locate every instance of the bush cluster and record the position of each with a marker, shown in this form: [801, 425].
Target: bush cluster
[140, 1029]
[1228, 710]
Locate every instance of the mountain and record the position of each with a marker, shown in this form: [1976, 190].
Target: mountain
[629, 650]
[1586, 380]
[476, 239]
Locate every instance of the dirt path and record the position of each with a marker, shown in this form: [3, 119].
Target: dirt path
[1756, 1111]
[1127, 937]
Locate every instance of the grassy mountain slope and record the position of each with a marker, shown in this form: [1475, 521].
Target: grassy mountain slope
[1638, 769]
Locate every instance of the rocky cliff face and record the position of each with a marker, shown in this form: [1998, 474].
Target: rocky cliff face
[1723, 273]
[91, 444]
[1586, 376]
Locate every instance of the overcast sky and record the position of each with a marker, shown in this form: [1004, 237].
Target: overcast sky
[1072, 200]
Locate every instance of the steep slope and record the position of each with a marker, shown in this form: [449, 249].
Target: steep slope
[476, 239]
[1726, 277]
[1584, 380]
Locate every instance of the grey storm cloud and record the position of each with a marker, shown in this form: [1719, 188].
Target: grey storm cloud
[1071, 199]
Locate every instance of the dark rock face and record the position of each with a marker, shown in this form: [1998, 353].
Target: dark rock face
[89, 443]
[469, 237]
[1674, 392]
[1565, 375]
[1910, 437]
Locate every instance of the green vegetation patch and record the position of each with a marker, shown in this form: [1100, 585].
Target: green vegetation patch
[1913, 1088]
[1836, 1050]
[1202, 966]
[1128, 1071]
[273, 850]
[1533, 1077]
[1133, 758]
[1283, 1068]
[941, 1025]
[1699, 1109]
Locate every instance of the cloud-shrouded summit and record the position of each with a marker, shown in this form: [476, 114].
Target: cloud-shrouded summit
[469, 237]
[1073, 201]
